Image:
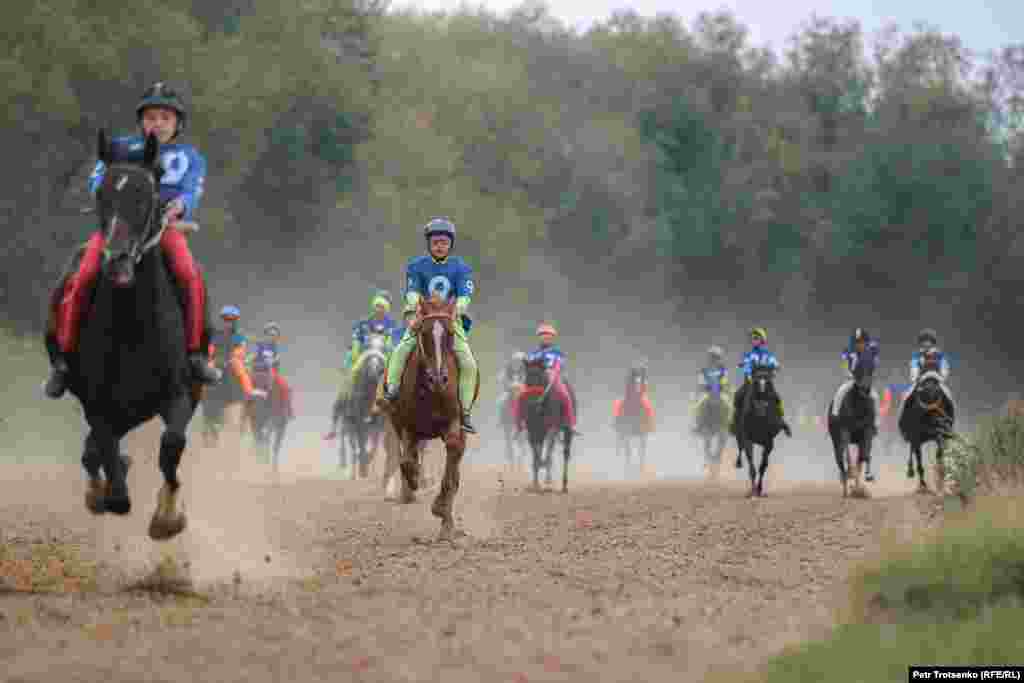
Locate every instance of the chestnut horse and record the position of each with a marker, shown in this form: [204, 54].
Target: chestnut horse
[428, 407]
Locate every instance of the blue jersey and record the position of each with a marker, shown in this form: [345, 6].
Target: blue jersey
[851, 357]
[397, 334]
[184, 170]
[713, 380]
[362, 330]
[450, 279]
[551, 356]
[917, 365]
[757, 357]
[265, 356]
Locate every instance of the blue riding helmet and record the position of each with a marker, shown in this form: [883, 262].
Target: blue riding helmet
[230, 312]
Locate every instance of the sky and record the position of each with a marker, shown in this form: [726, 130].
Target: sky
[982, 25]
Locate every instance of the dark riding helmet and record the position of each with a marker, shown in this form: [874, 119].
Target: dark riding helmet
[162, 95]
[927, 335]
[439, 225]
[860, 334]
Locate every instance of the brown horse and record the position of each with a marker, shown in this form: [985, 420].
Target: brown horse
[428, 407]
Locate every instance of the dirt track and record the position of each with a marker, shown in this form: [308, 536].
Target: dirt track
[312, 579]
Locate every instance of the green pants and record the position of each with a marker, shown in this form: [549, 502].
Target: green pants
[463, 354]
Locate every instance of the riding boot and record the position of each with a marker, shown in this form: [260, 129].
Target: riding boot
[57, 382]
[467, 378]
[467, 425]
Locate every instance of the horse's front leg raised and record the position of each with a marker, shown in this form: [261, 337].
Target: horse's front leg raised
[168, 518]
[454, 446]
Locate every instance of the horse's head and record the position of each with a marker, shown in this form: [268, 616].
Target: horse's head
[536, 373]
[435, 332]
[376, 355]
[127, 202]
[929, 392]
[762, 380]
[863, 374]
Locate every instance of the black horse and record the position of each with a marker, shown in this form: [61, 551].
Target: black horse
[268, 417]
[928, 415]
[355, 420]
[758, 421]
[545, 423]
[854, 425]
[131, 364]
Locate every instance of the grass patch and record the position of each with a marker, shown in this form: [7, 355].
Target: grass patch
[955, 598]
[45, 568]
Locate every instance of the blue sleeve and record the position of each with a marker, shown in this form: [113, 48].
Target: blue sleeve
[414, 281]
[193, 183]
[357, 330]
[465, 285]
[96, 177]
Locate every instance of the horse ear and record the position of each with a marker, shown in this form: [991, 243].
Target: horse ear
[103, 147]
[152, 150]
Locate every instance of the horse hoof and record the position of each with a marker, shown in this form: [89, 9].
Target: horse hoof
[127, 461]
[162, 529]
[119, 505]
[446, 534]
[95, 497]
[407, 497]
[438, 509]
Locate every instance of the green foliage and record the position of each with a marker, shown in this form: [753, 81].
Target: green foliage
[954, 599]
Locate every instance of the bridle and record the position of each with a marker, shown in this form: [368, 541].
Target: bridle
[136, 252]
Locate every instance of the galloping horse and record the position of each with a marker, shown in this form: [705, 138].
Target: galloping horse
[268, 417]
[428, 407]
[712, 425]
[928, 415]
[224, 405]
[853, 423]
[131, 364]
[543, 417]
[758, 421]
[633, 419]
[355, 420]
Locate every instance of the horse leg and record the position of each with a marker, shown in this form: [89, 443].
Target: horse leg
[864, 453]
[841, 445]
[910, 463]
[566, 453]
[409, 461]
[549, 458]
[643, 451]
[748, 451]
[537, 448]
[454, 446]
[922, 485]
[92, 460]
[766, 451]
[168, 520]
[282, 426]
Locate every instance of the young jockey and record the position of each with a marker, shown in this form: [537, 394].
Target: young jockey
[266, 358]
[860, 346]
[712, 380]
[380, 323]
[228, 349]
[553, 359]
[637, 373]
[451, 278]
[758, 357]
[927, 340]
[162, 113]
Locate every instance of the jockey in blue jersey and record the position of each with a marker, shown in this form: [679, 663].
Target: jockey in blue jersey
[438, 273]
[758, 357]
[927, 340]
[928, 360]
[162, 113]
[860, 346]
[712, 380]
[379, 324]
[266, 362]
[554, 361]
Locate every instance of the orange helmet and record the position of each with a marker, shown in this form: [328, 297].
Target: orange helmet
[547, 328]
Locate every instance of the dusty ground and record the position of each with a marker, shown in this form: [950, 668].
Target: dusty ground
[303, 578]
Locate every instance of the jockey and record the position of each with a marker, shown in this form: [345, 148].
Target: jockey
[638, 371]
[927, 341]
[759, 357]
[227, 351]
[860, 345]
[380, 323]
[266, 357]
[553, 359]
[451, 278]
[713, 379]
[161, 112]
